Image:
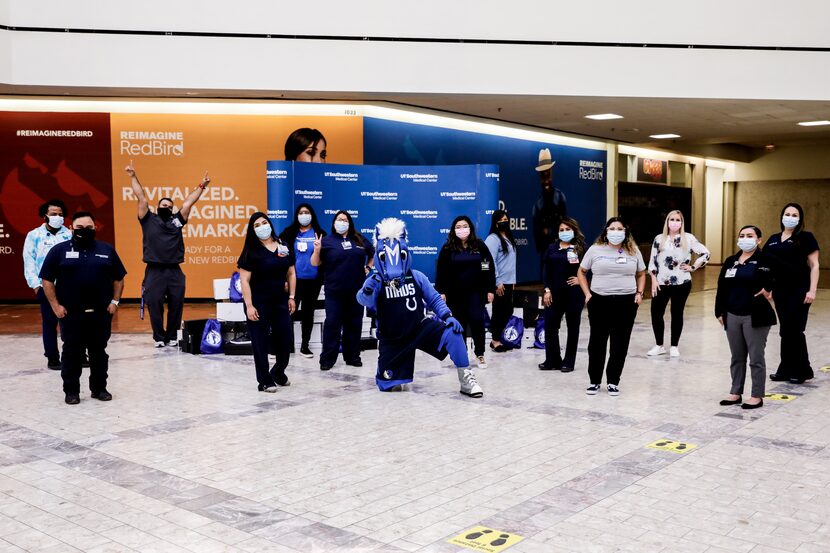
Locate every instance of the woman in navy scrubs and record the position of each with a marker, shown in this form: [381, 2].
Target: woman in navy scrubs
[796, 251]
[265, 265]
[563, 295]
[346, 257]
[300, 237]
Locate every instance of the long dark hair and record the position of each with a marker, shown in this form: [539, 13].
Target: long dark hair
[252, 242]
[579, 239]
[799, 227]
[628, 243]
[454, 242]
[299, 140]
[352, 232]
[494, 229]
[289, 234]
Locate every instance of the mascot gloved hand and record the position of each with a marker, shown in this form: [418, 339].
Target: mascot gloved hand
[400, 297]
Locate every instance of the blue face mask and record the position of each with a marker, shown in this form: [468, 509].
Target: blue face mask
[304, 219]
[340, 227]
[747, 244]
[566, 235]
[615, 237]
[789, 222]
[263, 231]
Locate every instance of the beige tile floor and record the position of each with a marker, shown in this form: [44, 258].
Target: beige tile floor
[190, 457]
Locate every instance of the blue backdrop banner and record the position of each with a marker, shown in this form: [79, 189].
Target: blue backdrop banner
[428, 198]
[580, 173]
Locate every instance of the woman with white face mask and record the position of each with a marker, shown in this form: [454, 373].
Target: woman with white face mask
[795, 290]
[671, 268]
[742, 306]
[615, 293]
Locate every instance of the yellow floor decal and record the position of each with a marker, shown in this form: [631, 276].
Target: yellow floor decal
[779, 397]
[825, 369]
[671, 445]
[481, 538]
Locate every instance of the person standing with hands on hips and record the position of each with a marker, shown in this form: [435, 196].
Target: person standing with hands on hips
[466, 279]
[83, 279]
[796, 250]
[502, 248]
[346, 257]
[742, 306]
[615, 293]
[38, 243]
[563, 295]
[265, 266]
[164, 280]
[670, 268]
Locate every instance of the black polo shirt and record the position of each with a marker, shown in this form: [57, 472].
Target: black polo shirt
[83, 277]
[163, 241]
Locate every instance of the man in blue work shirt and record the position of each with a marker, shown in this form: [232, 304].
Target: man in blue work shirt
[83, 279]
[38, 243]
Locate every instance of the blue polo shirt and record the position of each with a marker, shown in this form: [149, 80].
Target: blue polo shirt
[305, 241]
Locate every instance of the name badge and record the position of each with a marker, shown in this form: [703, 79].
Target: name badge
[302, 247]
[485, 265]
[347, 245]
[572, 257]
[621, 260]
[282, 251]
[730, 273]
[73, 255]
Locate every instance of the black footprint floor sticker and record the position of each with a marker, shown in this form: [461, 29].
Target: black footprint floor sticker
[680, 446]
[501, 540]
[476, 535]
[665, 443]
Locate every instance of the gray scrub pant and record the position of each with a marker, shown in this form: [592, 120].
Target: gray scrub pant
[745, 340]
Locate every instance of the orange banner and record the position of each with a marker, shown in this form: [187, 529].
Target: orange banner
[171, 154]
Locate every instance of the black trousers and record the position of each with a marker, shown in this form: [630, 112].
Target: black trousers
[49, 329]
[502, 311]
[306, 294]
[567, 302]
[81, 331]
[792, 319]
[343, 316]
[611, 318]
[164, 284]
[677, 295]
[469, 310]
[272, 332]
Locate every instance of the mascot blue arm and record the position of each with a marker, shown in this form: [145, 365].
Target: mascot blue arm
[433, 299]
[367, 296]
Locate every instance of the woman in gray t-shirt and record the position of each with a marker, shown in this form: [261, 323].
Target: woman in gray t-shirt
[614, 294]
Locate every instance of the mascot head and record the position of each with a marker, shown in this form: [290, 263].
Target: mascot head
[392, 258]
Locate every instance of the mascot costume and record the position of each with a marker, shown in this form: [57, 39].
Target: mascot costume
[401, 297]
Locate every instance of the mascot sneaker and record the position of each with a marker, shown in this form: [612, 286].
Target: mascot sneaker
[469, 384]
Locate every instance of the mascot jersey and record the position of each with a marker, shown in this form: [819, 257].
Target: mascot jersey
[400, 309]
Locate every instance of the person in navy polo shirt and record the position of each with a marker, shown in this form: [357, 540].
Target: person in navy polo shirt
[346, 257]
[83, 279]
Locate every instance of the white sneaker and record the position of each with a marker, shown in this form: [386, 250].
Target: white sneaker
[159, 344]
[469, 384]
[674, 352]
[656, 350]
[482, 364]
[171, 343]
[270, 389]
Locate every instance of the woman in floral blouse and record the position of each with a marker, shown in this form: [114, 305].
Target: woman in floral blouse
[670, 268]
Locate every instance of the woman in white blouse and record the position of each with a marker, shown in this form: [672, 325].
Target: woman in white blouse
[671, 270]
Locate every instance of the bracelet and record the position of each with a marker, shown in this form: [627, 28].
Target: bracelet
[291, 297]
[638, 292]
[114, 302]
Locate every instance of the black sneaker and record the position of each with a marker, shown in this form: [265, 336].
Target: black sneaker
[567, 369]
[53, 365]
[592, 390]
[325, 367]
[242, 340]
[72, 399]
[613, 390]
[306, 352]
[103, 395]
[355, 363]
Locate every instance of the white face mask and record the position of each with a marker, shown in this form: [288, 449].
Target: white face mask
[304, 219]
[789, 222]
[747, 244]
[263, 231]
[340, 227]
[55, 221]
[615, 237]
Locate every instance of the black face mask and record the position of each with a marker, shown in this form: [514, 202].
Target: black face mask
[503, 226]
[165, 213]
[84, 237]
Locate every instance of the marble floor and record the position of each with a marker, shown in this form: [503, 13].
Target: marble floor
[190, 457]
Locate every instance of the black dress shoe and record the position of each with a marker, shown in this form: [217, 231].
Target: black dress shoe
[775, 377]
[546, 367]
[753, 405]
[325, 367]
[53, 365]
[103, 395]
[731, 401]
[355, 363]
[72, 399]
[567, 369]
[501, 348]
[797, 380]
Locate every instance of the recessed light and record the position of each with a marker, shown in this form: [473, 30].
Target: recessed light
[661, 136]
[603, 116]
[814, 123]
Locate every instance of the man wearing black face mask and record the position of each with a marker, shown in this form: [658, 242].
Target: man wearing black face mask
[550, 207]
[83, 280]
[164, 280]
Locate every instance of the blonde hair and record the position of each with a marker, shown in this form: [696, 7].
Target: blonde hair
[684, 243]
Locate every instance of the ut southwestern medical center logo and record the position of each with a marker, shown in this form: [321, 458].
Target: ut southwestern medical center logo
[152, 143]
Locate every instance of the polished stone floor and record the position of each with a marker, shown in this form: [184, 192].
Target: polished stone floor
[190, 457]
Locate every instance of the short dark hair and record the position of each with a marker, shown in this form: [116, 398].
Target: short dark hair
[78, 214]
[166, 198]
[41, 211]
[753, 227]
